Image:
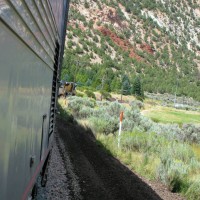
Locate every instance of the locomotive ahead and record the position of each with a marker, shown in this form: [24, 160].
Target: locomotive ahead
[32, 34]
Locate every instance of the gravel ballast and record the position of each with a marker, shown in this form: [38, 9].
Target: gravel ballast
[57, 186]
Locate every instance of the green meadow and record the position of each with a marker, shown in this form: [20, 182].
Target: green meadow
[172, 115]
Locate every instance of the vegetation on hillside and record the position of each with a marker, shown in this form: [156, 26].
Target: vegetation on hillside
[154, 40]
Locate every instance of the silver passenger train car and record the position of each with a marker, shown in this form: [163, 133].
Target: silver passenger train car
[32, 34]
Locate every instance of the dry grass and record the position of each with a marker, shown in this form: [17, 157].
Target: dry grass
[196, 149]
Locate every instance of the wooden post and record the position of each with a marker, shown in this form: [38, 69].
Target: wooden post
[120, 127]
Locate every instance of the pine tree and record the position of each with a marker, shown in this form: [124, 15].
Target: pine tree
[126, 85]
[113, 84]
[137, 88]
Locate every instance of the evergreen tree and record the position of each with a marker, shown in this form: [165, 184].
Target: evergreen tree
[137, 88]
[113, 84]
[118, 85]
[88, 82]
[126, 86]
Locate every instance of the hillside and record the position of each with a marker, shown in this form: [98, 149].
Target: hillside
[111, 42]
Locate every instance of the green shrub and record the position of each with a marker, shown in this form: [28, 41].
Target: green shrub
[114, 109]
[135, 141]
[194, 191]
[155, 120]
[175, 165]
[96, 39]
[76, 103]
[190, 133]
[178, 151]
[98, 23]
[74, 107]
[128, 125]
[85, 112]
[70, 36]
[173, 173]
[81, 101]
[86, 4]
[103, 103]
[142, 142]
[79, 94]
[136, 104]
[81, 88]
[104, 125]
[90, 94]
[105, 95]
[176, 159]
[139, 98]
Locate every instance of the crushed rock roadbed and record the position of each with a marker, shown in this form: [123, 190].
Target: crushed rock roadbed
[91, 173]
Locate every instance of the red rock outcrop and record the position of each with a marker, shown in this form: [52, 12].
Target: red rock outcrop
[124, 44]
[147, 48]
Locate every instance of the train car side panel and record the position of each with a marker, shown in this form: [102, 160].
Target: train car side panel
[24, 98]
[57, 9]
[30, 41]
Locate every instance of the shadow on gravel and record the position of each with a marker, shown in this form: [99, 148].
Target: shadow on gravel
[100, 175]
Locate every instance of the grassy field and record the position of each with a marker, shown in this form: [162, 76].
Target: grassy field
[172, 115]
